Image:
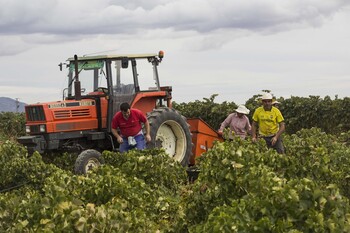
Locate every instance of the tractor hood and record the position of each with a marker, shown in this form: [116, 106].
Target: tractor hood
[61, 116]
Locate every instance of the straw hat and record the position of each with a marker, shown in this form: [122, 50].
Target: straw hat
[266, 96]
[242, 109]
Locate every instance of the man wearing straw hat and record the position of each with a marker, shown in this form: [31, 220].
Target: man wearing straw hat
[270, 122]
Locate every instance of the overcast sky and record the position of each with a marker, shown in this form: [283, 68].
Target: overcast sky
[233, 48]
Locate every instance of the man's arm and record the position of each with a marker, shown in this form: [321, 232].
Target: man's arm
[248, 126]
[254, 127]
[116, 134]
[282, 128]
[148, 131]
[143, 119]
[224, 124]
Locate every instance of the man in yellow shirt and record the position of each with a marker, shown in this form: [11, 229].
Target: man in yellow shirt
[270, 122]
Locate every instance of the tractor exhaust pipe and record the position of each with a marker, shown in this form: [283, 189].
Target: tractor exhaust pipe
[77, 87]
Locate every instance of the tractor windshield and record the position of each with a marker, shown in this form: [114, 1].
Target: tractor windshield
[92, 77]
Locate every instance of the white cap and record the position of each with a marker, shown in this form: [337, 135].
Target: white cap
[275, 102]
[266, 96]
[242, 109]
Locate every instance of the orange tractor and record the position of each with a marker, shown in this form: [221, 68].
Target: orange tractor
[97, 85]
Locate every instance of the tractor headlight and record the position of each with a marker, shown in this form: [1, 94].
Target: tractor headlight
[42, 128]
[27, 129]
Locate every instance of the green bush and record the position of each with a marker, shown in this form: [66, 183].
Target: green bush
[12, 125]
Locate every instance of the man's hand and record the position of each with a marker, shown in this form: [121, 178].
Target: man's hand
[148, 137]
[274, 140]
[254, 139]
[119, 139]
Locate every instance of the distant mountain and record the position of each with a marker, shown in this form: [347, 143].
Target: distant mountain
[11, 105]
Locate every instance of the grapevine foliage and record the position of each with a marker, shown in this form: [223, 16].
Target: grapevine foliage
[11, 125]
[111, 198]
[242, 187]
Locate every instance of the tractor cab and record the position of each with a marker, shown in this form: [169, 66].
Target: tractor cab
[120, 78]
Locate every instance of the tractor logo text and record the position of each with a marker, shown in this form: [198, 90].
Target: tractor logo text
[72, 104]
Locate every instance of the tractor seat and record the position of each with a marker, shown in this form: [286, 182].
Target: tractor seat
[96, 93]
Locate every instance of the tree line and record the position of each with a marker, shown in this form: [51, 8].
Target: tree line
[332, 116]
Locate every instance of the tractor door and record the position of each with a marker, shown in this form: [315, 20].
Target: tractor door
[138, 85]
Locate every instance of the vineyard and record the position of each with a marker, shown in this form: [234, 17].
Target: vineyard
[241, 187]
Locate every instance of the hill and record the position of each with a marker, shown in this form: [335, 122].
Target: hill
[11, 105]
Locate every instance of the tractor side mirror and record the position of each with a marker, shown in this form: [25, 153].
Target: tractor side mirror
[125, 62]
[60, 65]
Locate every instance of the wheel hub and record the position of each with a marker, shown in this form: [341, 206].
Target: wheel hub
[172, 138]
[91, 164]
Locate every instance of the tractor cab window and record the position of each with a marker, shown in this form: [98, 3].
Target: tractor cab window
[92, 77]
[146, 75]
[124, 77]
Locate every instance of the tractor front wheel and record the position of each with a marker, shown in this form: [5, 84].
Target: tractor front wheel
[87, 160]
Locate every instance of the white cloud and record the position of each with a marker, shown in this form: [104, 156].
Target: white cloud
[233, 48]
[10, 45]
[112, 17]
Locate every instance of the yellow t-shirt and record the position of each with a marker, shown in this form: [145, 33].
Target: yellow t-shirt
[268, 121]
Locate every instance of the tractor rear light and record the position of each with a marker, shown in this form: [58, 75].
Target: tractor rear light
[27, 129]
[42, 128]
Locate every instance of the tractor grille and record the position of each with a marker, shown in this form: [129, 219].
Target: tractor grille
[35, 113]
[76, 113]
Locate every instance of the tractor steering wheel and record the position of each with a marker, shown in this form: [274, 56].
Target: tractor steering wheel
[102, 89]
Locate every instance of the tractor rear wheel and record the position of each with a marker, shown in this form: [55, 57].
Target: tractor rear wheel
[170, 130]
[87, 160]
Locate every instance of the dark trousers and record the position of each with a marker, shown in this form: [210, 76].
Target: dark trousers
[278, 145]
